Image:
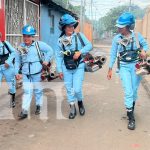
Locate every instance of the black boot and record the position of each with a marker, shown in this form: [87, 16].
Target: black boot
[38, 110]
[73, 111]
[133, 106]
[23, 115]
[81, 108]
[12, 101]
[130, 114]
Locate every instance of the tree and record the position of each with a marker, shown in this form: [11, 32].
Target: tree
[107, 23]
[65, 4]
[75, 9]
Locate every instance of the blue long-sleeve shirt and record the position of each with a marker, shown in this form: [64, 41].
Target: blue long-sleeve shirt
[30, 62]
[11, 49]
[116, 47]
[72, 47]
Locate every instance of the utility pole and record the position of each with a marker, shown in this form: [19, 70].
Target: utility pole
[67, 4]
[92, 10]
[96, 24]
[82, 14]
[84, 4]
[130, 5]
[92, 19]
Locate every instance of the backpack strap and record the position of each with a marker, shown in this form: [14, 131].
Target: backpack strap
[4, 43]
[132, 43]
[39, 52]
[3, 50]
[80, 38]
[137, 40]
[124, 48]
[63, 47]
[76, 43]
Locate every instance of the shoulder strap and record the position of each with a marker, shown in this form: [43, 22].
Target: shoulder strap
[4, 43]
[3, 50]
[80, 38]
[132, 43]
[38, 51]
[76, 43]
[137, 40]
[63, 47]
[124, 48]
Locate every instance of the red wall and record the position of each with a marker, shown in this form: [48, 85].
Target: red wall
[2, 19]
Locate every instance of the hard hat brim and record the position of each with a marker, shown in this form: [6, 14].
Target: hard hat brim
[27, 34]
[120, 26]
[75, 24]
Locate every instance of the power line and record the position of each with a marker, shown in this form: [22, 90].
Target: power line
[82, 14]
[92, 18]
[130, 6]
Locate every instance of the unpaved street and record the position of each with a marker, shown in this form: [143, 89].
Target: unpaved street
[104, 127]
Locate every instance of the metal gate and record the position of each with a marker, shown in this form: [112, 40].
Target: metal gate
[19, 13]
[2, 19]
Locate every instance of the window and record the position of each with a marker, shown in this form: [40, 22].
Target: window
[18, 14]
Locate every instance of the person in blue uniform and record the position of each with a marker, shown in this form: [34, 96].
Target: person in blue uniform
[128, 47]
[70, 66]
[31, 56]
[7, 55]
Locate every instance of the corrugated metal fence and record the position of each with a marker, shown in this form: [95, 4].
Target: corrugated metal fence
[143, 26]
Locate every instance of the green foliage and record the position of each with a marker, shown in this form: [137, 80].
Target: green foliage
[107, 23]
[64, 3]
[75, 9]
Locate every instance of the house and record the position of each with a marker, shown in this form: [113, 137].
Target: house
[143, 25]
[2, 18]
[44, 15]
[50, 14]
[14, 15]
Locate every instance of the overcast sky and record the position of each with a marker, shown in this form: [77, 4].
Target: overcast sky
[101, 7]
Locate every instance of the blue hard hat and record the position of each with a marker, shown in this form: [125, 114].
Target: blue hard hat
[126, 19]
[67, 20]
[28, 30]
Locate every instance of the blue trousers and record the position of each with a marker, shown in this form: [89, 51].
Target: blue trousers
[73, 80]
[32, 85]
[9, 74]
[130, 82]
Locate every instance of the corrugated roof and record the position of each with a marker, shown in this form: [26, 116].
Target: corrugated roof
[59, 6]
